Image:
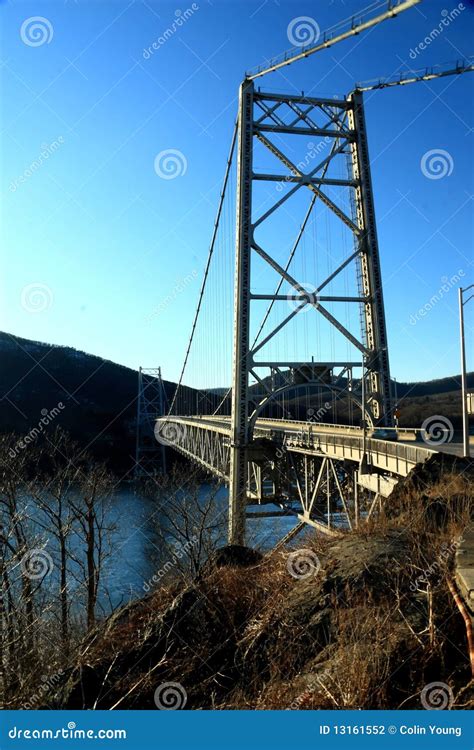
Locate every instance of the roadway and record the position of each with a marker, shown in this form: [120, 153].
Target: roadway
[339, 442]
[406, 435]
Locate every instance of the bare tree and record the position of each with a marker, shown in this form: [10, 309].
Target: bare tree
[53, 543]
[52, 495]
[90, 504]
[20, 582]
[191, 521]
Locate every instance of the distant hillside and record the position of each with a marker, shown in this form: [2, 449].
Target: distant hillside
[99, 397]
[430, 387]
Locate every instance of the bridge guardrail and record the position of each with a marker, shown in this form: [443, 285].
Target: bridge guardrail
[393, 456]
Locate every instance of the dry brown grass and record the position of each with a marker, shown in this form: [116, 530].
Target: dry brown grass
[369, 630]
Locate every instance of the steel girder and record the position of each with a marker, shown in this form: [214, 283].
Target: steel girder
[375, 327]
[241, 353]
[312, 470]
[210, 448]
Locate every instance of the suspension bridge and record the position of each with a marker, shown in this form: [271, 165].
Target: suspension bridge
[308, 424]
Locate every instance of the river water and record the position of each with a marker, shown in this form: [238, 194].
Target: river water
[135, 544]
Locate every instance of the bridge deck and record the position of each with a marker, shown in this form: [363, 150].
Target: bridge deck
[206, 439]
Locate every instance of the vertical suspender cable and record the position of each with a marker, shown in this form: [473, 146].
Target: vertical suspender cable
[280, 283]
[208, 263]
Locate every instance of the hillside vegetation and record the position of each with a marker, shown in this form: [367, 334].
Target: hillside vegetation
[365, 620]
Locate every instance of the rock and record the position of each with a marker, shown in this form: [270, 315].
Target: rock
[232, 555]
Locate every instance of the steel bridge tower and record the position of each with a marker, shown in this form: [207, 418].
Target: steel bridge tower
[250, 457]
[150, 456]
[260, 115]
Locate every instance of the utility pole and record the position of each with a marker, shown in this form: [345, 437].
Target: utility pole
[465, 417]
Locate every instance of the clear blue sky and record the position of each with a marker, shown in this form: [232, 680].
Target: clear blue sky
[96, 238]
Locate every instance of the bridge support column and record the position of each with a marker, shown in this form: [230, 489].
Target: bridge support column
[378, 370]
[241, 364]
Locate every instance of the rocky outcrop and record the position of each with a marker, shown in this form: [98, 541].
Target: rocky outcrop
[250, 634]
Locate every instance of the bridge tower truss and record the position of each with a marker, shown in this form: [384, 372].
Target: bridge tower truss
[150, 456]
[268, 118]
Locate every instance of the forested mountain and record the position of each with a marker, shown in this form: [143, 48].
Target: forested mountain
[99, 397]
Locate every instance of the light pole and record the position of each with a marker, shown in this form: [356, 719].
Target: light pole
[465, 422]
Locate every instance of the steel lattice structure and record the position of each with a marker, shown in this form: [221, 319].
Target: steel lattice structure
[262, 115]
[313, 471]
[151, 400]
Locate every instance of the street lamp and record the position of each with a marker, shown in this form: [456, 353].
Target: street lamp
[465, 423]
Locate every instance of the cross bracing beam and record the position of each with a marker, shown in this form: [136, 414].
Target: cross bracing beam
[319, 193]
[308, 299]
[303, 180]
[271, 114]
[315, 101]
[293, 130]
[292, 363]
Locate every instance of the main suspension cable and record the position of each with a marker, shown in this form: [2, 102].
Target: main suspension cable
[208, 263]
